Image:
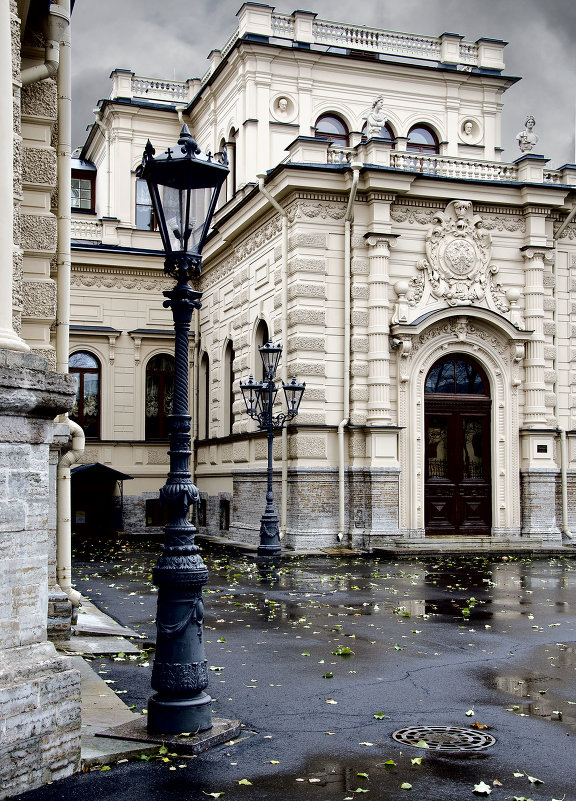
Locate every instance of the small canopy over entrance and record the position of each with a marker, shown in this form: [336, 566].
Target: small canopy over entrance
[97, 499]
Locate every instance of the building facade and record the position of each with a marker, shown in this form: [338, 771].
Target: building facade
[40, 705]
[422, 287]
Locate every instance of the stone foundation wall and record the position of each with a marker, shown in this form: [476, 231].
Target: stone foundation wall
[39, 690]
[539, 504]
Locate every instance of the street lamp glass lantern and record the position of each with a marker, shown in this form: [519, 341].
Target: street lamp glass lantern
[250, 393]
[293, 392]
[265, 399]
[184, 184]
[270, 355]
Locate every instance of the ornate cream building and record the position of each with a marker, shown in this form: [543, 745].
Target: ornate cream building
[421, 286]
[39, 688]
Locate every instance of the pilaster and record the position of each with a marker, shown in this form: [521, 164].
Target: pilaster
[8, 337]
[379, 328]
[534, 361]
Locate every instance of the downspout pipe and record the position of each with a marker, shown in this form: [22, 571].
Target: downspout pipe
[64, 151]
[64, 209]
[348, 219]
[56, 23]
[64, 520]
[566, 222]
[284, 343]
[565, 528]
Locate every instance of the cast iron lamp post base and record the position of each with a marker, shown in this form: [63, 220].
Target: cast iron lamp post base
[180, 674]
[259, 397]
[184, 184]
[269, 531]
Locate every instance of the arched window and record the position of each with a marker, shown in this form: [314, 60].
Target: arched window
[159, 395]
[204, 398]
[332, 129]
[456, 375]
[422, 140]
[86, 411]
[385, 133]
[261, 338]
[228, 387]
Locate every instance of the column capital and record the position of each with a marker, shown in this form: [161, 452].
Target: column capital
[373, 239]
[530, 252]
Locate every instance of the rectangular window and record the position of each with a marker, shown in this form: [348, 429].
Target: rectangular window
[144, 213]
[82, 193]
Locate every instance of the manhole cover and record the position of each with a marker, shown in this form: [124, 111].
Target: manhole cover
[444, 738]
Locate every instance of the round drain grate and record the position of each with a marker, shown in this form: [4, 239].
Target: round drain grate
[444, 738]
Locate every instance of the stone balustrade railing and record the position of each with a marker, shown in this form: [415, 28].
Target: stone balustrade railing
[151, 89]
[451, 167]
[262, 20]
[340, 155]
[90, 230]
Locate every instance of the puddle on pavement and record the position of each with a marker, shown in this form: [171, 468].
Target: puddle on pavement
[543, 691]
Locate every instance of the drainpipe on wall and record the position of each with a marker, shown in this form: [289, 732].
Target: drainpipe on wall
[346, 387]
[64, 212]
[64, 520]
[64, 151]
[56, 23]
[284, 343]
[565, 528]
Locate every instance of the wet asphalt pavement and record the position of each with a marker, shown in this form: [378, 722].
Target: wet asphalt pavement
[324, 660]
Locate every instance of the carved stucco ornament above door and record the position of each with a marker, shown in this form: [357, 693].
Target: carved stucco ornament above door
[457, 270]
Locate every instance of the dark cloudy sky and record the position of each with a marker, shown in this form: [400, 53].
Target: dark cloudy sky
[172, 39]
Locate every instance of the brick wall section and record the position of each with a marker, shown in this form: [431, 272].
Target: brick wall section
[39, 690]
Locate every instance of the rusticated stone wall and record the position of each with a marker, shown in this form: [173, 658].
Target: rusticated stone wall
[39, 690]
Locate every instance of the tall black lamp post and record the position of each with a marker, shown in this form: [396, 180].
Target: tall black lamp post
[259, 397]
[184, 184]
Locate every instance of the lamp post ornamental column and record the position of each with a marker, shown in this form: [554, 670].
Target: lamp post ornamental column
[184, 184]
[259, 397]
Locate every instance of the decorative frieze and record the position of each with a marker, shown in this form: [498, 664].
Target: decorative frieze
[501, 221]
[120, 279]
[310, 208]
[241, 251]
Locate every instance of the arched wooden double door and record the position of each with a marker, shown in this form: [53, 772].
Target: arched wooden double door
[457, 408]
